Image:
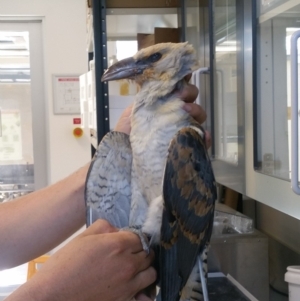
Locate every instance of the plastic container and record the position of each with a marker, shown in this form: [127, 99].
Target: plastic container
[292, 276]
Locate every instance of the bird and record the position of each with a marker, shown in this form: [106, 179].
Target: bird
[159, 181]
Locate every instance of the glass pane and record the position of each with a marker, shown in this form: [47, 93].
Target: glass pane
[16, 146]
[226, 109]
[192, 30]
[273, 89]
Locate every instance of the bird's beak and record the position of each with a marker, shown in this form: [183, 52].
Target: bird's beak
[127, 68]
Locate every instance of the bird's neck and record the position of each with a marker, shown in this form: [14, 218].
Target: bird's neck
[153, 93]
[157, 110]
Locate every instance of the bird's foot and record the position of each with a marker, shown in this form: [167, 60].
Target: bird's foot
[143, 237]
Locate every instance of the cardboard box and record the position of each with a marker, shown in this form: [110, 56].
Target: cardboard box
[144, 40]
[164, 35]
[161, 35]
[142, 3]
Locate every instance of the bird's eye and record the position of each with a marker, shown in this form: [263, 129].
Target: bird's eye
[155, 57]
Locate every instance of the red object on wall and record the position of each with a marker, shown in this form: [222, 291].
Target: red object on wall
[78, 132]
[77, 120]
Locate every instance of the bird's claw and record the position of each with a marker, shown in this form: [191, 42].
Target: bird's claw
[143, 237]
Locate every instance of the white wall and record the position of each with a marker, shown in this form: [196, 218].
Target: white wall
[64, 41]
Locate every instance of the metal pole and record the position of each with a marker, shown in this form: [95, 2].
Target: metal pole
[100, 57]
[183, 20]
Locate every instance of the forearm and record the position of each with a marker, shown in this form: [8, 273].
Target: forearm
[36, 223]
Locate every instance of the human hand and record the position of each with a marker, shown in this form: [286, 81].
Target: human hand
[123, 124]
[188, 95]
[101, 263]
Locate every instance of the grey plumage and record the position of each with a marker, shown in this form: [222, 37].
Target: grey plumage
[109, 180]
[167, 147]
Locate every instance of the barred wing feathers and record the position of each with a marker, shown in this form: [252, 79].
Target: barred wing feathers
[107, 189]
[189, 193]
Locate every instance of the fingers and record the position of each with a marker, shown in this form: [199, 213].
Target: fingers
[145, 278]
[208, 141]
[142, 297]
[144, 260]
[149, 293]
[124, 241]
[124, 124]
[127, 112]
[100, 226]
[188, 77]
[195, 111]
[189, 93]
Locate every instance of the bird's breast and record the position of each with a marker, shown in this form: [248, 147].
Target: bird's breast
[150, 137]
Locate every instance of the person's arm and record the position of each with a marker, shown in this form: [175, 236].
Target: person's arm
[37, 222]
[101, 263]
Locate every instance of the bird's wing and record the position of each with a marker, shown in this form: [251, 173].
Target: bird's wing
[107, 188]
[189, 192]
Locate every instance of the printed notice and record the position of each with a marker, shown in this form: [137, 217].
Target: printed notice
[66, 94]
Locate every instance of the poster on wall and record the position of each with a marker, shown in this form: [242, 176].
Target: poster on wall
[66, 94]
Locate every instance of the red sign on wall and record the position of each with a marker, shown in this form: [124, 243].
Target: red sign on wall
[76, 120]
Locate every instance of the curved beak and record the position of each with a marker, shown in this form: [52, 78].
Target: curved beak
[127, 68]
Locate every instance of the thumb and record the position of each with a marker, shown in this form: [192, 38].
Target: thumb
[196, 111]
[100, 226]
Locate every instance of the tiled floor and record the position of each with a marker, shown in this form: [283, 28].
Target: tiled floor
[12, 279]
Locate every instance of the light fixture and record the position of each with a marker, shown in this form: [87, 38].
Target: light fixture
[6, 80]
[20, 80]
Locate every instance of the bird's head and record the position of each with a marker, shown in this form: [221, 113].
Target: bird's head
[160, 67]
